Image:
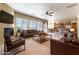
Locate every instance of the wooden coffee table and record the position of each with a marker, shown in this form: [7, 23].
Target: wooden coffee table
[40, 38]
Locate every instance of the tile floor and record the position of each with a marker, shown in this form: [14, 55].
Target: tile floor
[35, 48]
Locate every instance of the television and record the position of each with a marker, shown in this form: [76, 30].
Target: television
[6, 17]
[9, 31]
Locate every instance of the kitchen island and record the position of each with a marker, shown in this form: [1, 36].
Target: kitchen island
[59, 47]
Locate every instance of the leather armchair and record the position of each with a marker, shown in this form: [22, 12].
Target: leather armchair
[10, 45]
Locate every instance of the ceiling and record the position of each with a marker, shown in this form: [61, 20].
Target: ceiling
[38, 9]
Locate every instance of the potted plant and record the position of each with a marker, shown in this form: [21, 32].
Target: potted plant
[18, 33]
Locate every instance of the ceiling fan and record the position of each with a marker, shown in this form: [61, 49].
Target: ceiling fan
[49, 13]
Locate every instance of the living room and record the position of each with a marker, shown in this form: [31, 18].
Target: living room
[38, 28]
[21, 22]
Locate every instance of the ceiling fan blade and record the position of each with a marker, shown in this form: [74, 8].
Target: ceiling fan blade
[51, 12]
[50, 15]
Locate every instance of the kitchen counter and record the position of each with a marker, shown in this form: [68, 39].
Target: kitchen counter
[59, 47]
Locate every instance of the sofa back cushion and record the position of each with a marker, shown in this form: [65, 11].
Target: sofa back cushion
[31, 31]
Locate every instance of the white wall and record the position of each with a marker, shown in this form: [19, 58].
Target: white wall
[50, 22]
[78, 25]
[66, 13]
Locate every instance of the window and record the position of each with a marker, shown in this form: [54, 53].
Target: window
[39, 26]
[19, 23]
[32, 24]
[25, 24]
[22, 23]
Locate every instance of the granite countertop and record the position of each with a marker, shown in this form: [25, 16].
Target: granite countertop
[57, 35]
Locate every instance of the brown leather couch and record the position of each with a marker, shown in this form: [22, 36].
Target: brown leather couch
[28, 33]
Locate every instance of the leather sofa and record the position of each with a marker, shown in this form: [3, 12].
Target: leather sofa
[28, 33]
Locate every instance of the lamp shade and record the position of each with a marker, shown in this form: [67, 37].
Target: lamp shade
[72, 29]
